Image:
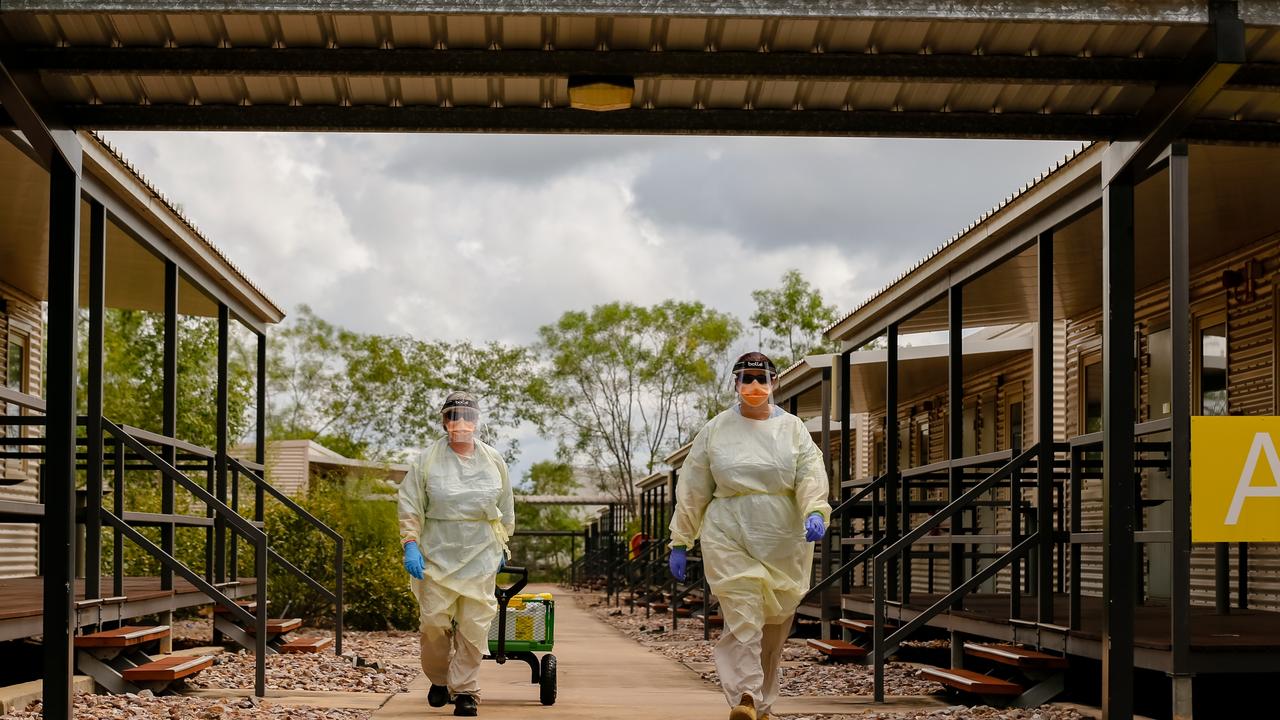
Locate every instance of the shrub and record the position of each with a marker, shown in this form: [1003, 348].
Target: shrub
[376, 593]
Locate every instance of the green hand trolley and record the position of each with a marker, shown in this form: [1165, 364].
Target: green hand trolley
[524, 627]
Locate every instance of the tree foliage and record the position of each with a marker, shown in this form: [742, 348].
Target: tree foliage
[133, 376]
[629, 383]
[370, 396]
[795, 316]
[547, 558]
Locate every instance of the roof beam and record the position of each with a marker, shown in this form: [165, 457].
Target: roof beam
[677, 121]
[24, 104]
[410, 62]
[1173, 109]
[1101, 11]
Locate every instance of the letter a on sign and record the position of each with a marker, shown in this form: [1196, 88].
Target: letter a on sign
[1235, 479]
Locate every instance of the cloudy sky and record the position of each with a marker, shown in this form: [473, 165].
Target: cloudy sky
[490, 237]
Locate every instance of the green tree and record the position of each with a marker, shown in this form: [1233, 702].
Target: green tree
[627, 383]
[547, 558]
[133, 376]
[369, 396]
[795, 316]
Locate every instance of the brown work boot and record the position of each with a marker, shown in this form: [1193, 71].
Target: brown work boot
[745, 709]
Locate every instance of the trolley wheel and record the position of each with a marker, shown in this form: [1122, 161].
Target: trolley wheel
[547, 684]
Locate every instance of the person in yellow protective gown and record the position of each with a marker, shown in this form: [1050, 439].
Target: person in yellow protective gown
[753, 491]
[456, 513]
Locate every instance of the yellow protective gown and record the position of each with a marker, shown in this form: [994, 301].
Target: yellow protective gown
[744, 491]
[460, 511]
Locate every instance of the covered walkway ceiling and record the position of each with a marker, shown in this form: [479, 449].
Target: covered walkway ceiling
[1007, 68]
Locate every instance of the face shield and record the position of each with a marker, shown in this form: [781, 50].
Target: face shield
[753, 380]
[461, 418]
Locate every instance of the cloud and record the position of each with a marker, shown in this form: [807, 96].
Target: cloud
[490, 237]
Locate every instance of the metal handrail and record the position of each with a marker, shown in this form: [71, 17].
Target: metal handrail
[870, 487]
[844, 569]
[883, 646]
[959, 503]
[21, 399]
[333, 596]
[253, 534]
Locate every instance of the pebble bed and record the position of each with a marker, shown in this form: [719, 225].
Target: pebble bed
[146, 706]
[958, 712]
[804, 671]
[307, 671]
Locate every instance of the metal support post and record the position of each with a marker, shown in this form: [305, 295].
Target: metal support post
[846, 461]
[955, 429]
[59, 524]
[891, 441]
[1180, 408]
[1119, 586]
[220, 459]
[824, 560]
[1044, 430]
[93, 406]
[170, 409]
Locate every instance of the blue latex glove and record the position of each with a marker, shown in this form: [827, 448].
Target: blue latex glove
[502, 563]
[679, 558]
[814, 527]
[414, 563]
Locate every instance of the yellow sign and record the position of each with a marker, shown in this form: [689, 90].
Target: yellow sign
[1235, 479]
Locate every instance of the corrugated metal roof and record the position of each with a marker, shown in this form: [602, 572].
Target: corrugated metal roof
[901, 59]
[177, 213]
[975, 226]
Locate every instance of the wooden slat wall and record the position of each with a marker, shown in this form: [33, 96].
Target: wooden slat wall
[287, 467]
[1252, 390]
[997, 384]
[18, 541]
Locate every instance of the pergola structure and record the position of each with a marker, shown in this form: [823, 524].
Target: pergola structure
[1139, 75]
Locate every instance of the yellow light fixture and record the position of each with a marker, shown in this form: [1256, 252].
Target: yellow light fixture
[601, 93]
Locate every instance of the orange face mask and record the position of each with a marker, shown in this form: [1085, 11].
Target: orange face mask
[460, 431]
[754, 394]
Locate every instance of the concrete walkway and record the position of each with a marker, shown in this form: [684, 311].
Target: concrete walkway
[604, 675]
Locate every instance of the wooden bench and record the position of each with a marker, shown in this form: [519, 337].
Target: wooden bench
[123, 637]
[974, 683]
[1016, 656]
[306, 645]
[169, 669]
[838, 649]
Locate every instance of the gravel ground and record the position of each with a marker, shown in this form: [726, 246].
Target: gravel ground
[176, 707]
[804, 671]
[958, 712]
[307, 671]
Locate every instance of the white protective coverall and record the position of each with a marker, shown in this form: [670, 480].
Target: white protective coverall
[460, 511]
[745, 491]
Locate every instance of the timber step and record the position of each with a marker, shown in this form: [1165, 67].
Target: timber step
[249, 605]
[974, 683]
[838, 649]
[659, 606]
[277, 626]
[306, 645]
[169, 669]
[1016, 656]
[715, 620]
[865, 627]
[123, 637]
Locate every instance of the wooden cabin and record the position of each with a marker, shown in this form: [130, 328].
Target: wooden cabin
[990, 505]
[74, 247]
